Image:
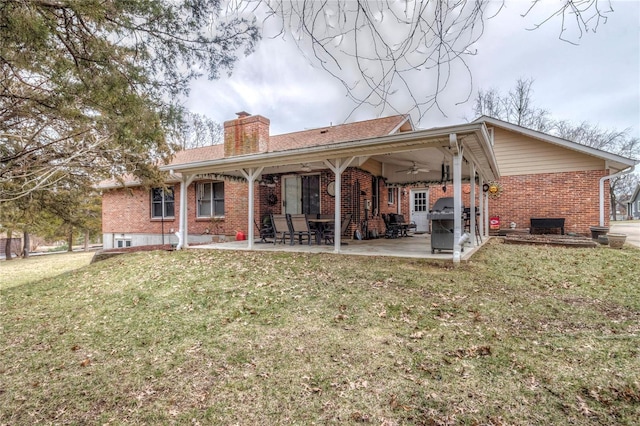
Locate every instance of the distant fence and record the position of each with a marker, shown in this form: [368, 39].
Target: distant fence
[16, 246]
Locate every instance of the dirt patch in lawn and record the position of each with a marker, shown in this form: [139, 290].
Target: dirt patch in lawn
[550, 239]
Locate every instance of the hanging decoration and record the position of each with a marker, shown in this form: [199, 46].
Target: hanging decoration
[494, 189]
[217, 176]
[272, 199]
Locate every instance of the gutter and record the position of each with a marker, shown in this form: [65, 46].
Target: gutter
[601, 189]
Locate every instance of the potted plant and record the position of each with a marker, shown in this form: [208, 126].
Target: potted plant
[616, 240]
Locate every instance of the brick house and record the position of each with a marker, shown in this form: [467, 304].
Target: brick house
[633, 205]
[545, 176]
[364, 169]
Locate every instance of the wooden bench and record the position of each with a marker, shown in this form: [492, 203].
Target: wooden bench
[542, 223]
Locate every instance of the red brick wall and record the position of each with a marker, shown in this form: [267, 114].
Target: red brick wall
[235, 193]
[246, 135]
[571, 195]
[436, 192]
[129, 211]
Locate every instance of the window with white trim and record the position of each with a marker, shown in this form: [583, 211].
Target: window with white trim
[210, 199]
[162, 203]
[391, 195]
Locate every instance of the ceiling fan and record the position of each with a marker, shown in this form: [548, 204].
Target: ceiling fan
[414, 169]
[307, 167]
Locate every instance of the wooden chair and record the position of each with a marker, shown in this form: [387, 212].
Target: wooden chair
[280, 226]
[299, 227]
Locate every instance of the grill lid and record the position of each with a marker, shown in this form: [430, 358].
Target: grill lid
[442, 209]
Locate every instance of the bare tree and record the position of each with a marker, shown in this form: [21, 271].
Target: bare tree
[196, 130]
[516, 107]
[489, 103]
[387, 52]
[615, 141]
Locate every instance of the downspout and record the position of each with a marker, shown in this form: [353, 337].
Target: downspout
[182, 234]
[472, 207]
[601, 189]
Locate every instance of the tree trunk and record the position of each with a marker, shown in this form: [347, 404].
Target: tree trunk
[7, 246]
[70, 240]
[612, 201]
[27, 244]
[86, 240]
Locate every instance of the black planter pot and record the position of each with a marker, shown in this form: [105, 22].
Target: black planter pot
[596, 231]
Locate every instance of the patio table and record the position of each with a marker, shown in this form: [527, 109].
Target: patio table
[321, 226]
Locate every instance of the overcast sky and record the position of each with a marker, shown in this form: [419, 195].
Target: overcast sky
[596, 81]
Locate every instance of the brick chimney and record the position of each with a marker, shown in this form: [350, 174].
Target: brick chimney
[247, 134]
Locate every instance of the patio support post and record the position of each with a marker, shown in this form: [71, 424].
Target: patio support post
[251, 175]
[472, 207]
[486, 213]
[337, 167]
[481, 206]
[457, 198]
[183, 232]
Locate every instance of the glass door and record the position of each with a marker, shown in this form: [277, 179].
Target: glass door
[301, 194]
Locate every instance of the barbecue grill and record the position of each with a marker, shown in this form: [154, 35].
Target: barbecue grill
[442, 222]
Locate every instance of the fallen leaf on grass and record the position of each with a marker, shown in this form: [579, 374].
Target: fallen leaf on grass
[472, 352]
[85, 362]
[583, 407]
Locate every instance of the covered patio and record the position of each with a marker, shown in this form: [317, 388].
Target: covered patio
[415, 247]
[448, 155]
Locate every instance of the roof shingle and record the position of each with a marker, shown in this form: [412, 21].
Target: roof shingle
[306, 138]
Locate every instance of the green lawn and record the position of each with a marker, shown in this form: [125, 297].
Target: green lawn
[521, 335]
[19, 271]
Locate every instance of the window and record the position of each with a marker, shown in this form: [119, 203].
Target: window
[375, 195]
[210, 199]
[391, 195]
[123, 243]
[162, 203]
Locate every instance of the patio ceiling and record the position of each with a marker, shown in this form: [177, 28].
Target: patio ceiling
[396, 152]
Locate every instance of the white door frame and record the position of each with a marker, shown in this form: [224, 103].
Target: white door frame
[412, 208]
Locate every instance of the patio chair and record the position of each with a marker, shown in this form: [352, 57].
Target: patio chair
[310, 218]
[405, 226]
[280, 226]
[392, 230]
[266, 230]
[329, 233]
[299, 227]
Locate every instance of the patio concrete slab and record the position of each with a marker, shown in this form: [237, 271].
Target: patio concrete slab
[416, 246]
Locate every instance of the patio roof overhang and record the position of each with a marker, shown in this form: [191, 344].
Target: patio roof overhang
[468, 148]
[428, 147]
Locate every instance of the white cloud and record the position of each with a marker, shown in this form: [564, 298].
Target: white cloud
[597, 81]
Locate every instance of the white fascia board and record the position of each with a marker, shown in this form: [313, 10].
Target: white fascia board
[397, 142]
